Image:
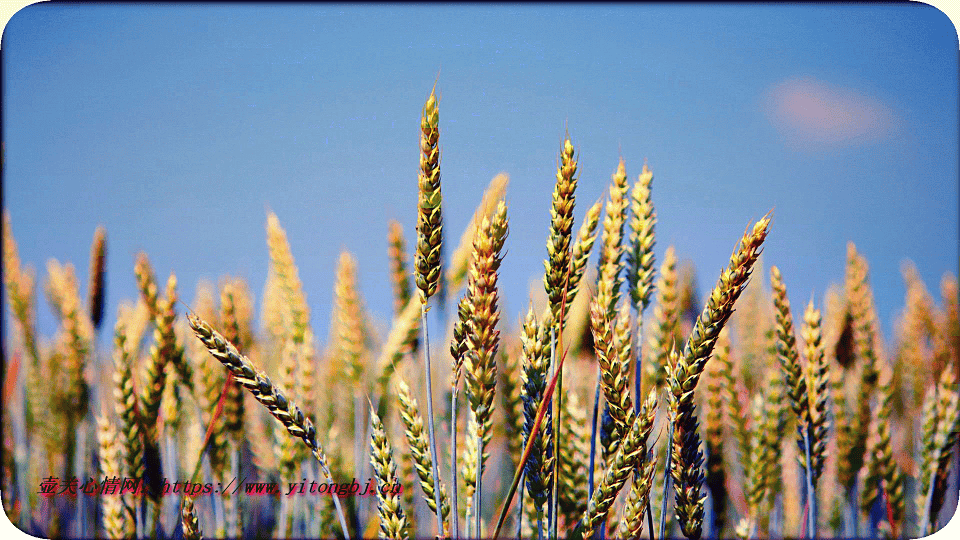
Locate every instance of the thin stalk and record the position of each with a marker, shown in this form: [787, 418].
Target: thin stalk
[540, 524]
[667, 477]
[479, 480]
[555, 491]
[433, 439]
[650, 519]
[811, 491]
[358, 444]
[453, 464]
[593, 437]
[638, 363]
[520, 508]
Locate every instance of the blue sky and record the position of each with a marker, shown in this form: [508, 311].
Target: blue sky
[178, 127]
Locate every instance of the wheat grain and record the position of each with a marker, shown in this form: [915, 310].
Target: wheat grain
[393, 522]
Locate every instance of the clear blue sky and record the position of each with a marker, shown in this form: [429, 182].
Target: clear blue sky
[177, 127]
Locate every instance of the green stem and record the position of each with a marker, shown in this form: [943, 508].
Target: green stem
[433, 439]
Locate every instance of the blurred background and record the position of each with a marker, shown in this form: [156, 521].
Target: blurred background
[179, 127]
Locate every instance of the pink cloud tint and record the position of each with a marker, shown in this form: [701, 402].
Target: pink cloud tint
[811, 114]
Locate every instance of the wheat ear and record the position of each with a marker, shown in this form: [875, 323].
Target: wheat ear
[483, 338]
[188, 517]
[268, 394]
[640, 261]
[118, 519]
[96, 287]
[631, 454]
[683, 378]
[460, 260]
[666, 326]
[427, 265]
[420, 449]
[393, 523]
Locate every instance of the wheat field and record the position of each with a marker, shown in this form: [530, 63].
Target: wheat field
[622, 406]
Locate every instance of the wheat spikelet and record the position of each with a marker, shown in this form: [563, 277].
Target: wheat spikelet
[817, 380]
[573, 458]
[400, 340]
[586, 237]
[483, 338]
[611, 338]
[429, 216]
[684, 376]
[125, 397]
[789, 356]
[666, 323]
[188, 517]
[536, 363]
[62, 290]
[511, 381]
[393, 523]
[460, 260]
[268, 394]
[946, 439]
[640, 258]
[95, 290]
[399, 273]
[347, 319]
[884, 479]
[232, 294]
[630, 455]
[117, 514]
[610, 264]
[861, 314]
[714, 421]
[288, 279]
[950, 320]
[420, 449]
[559, 238]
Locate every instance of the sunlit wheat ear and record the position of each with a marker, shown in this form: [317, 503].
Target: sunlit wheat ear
[559, 238]
[419, 444]
[117, 515]
[288, 279]
[269, 395]
[483, 337]
[630, 455]
[683, 378]
[233, 296]
[189, 520]
[666, 326]
[348, 321]
[399, 271]
[610, 263]
[126, 400]
[715, 419]
[63, 292]
[884, 480]
[640, 257]
[612, 345]
[429, 217]
[427, 260]
[456, 273]
[944, 440]
[573, 458]
[536, 363]
[98, 272]
[818, 381]
[393, 522]
[853, 441]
